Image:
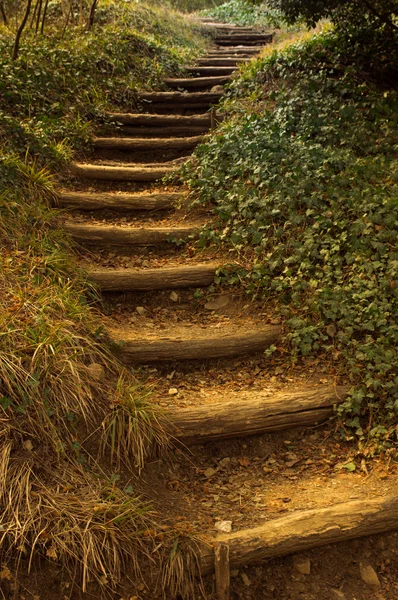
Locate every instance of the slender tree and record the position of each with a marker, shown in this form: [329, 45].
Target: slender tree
[3, 12]
[90, 21]
[20, 29]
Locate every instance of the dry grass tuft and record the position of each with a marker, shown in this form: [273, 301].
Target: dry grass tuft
[94, 533]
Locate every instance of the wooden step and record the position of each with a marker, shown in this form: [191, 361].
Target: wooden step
[233, 51]
[135, 144]
[193, 83]
[178, 102]
[221, 62]
[228, 42]
[254, 413]
[116, 201]
[244, 38]
[113, 235]
[164, 132]
[198, 98]
[303, 530]
[211, 71]
[162, 125]
[123, 173]
[160, 121]
[191, 344]
[164, 278]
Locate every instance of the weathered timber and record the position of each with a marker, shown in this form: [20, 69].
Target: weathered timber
[254, 44]
[160, 121]
[117, 202]
[221, 62]
[110, 235]
[221, 566]
[244, 38]
[133, 350]
[199, 98]
[255, 413]
[110, 173]
[184, 131]
[306, 529]
[112, 280]
[234, 51]
[132, 144]
[196, 82]
[209, 71]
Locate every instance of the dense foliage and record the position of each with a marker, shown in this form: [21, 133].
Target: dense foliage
[303, 179]
[245, 13]
[57, 86]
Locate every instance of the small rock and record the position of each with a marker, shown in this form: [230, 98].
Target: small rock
[220, 302]
[223, 526]
[234, 572]
[209, 472]
[96, 371]
[225, 462]
[245, 579]
[369, 576]
[336, 594]
[141, 310]
[173, 391]
[28, 445]
[303, 566]
[174, 296]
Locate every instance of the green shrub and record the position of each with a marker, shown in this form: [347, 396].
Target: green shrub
[245, 13]
[304, 183]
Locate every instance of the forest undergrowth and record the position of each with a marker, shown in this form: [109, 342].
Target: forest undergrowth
[302, 178]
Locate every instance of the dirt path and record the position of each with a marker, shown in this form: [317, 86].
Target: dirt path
[203, 355]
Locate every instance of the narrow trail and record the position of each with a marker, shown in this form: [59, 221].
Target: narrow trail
[204, 352]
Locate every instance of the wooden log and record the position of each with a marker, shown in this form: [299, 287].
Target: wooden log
[132, 144]
[306, 529]
[109, 173]
[199, 98]
[230, 42]
[160, 121]
[176, 131]
[210, 71]
[221, 62]
[255, 413]
[196, 82]
[134, 350]
[221, 567]
[244, 38]
[233, 50]
[117, 202]
[163, 278]
[110, 235]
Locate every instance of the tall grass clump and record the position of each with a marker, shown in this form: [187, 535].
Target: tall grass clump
[302, 177]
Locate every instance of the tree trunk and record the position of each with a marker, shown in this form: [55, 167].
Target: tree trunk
[90, 21]
[15, 51]
[3, 13]
[43, 21]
